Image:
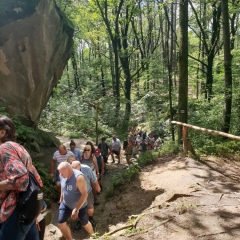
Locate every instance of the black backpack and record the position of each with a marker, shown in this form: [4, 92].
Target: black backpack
[29, 202]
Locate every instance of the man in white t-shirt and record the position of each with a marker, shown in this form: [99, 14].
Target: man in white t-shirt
[116, 148]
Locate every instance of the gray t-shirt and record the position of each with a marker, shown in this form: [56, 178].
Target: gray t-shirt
[71, 193]
[89, 175]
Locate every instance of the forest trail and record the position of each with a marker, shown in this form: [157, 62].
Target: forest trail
[174, 198]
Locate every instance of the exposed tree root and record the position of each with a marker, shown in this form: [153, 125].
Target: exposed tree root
[132, 225]
[148, 229]
[171, 199]
[176, 196]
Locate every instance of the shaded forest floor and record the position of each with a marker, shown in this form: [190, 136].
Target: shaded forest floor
[174, 198]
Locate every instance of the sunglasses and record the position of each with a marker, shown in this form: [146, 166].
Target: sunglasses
[86, 149]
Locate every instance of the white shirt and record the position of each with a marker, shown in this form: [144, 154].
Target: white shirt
[116, 144]
[138, 140]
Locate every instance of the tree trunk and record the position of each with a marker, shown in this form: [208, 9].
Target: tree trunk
[183, 66]
[227, 68]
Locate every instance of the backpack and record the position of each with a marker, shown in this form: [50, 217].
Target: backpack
[29, 202]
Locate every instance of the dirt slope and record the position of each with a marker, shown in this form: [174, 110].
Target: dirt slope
[175, 198]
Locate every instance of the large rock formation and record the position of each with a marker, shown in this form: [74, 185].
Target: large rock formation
[35, 44]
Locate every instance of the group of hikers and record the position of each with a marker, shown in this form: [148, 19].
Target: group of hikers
[77, 174]
[73, 166]
[138, 142]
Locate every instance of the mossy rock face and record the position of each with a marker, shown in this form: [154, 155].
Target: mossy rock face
[47, 139]
[11, 10]
[44, 144]
[36, 41]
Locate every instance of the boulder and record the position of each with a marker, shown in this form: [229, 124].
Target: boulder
[52, 233]
[35, 44]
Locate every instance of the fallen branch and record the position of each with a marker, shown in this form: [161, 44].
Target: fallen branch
[220, 197]
[211, 234]
[131, 225]
[203, 188]
[171, 199]
[176, 196]
[146, 230]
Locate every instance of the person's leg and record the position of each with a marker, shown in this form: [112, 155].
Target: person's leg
[42, 225]
[112, 154]
[9, 228]
[83, 217]
[118, 156]
[105, 159]
[90, 209]
[32, 234]
[94, 192]
[64, 214]
[89, 229]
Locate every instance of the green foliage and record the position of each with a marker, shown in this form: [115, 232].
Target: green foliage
[49, 189]
[25, 134]
[168, 148]
[146, 158]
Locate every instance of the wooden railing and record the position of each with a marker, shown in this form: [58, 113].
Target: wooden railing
[187, 146]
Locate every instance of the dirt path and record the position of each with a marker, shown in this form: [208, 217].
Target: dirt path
[175, 198]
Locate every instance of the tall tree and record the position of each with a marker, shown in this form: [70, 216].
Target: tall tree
[227, 67]
[212, 47]
[183, 66]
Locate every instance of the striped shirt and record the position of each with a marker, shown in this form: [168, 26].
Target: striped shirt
[61, 158]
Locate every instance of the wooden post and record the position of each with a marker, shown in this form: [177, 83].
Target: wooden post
[185, 141]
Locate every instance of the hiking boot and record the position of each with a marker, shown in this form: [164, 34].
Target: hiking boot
[77, 226]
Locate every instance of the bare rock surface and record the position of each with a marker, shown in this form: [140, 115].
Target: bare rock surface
[35, 44]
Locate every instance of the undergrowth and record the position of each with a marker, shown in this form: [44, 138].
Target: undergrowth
[146, 158]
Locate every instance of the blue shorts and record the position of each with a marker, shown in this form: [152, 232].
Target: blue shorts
[65, 212]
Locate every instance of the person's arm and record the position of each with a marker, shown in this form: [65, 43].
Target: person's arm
[82, 187]
[96, 166]
[20, 184]
[110, 148]
[61, 196]
[17, 179]
[94, 181]
[96, 186]
[119, 147]
[53, 163]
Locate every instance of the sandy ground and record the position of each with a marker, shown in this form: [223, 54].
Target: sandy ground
[174, 198]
